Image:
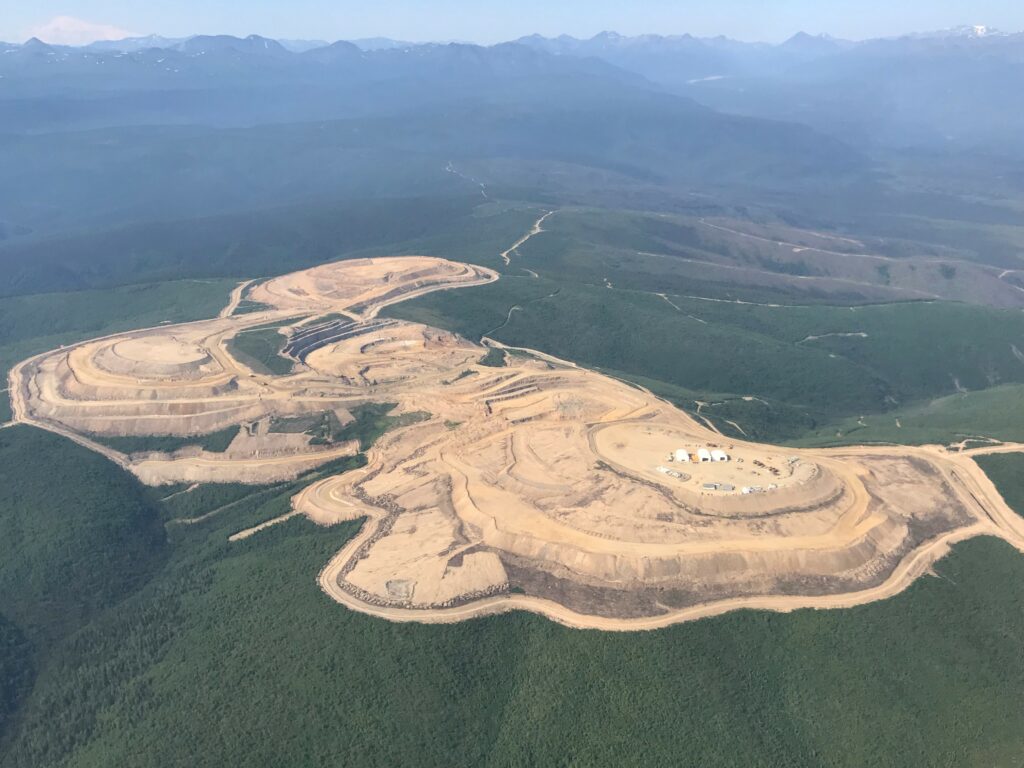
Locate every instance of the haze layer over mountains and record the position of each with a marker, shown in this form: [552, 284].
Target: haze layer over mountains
[154, 129]
[931, 89]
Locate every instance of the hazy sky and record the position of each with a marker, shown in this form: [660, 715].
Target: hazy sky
[490, 21]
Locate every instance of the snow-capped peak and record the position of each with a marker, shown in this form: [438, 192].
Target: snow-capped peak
[973, 32]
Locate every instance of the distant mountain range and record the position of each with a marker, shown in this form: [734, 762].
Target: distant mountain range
[606, 43]
[227, 124]
[680, 59]
[232, 123]
[222, 64]
[133, 44]
[955, 87]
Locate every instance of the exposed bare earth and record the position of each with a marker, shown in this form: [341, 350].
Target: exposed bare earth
[182, 380]
[538, 486]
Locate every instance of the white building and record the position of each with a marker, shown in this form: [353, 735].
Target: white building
[703, 454]
[718, 455]
[682, 455]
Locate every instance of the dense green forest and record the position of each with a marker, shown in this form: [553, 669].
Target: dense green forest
[76, 533]
[237, 245]
[215, 442]
[1007, 472]
[17, 671]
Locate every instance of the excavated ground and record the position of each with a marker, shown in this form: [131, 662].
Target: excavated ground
[537, 486]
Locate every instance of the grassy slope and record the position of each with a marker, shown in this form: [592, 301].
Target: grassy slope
[650, 251]
[996, 413]
[264, 242]
[642, 252]
[917, 349]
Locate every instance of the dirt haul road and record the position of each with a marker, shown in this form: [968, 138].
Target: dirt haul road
[537, 486]
[906, 573]
[184, 380]
[538, 227]
[235, 299]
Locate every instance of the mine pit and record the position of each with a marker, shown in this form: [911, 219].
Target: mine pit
[537, 486]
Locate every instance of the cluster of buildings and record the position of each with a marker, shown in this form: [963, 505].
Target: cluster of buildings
[702, 455]
[708, 455]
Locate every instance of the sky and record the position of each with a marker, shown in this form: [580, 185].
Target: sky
[489, 21]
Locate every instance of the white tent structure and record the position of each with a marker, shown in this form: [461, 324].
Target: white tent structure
[703, 454]
[718, 455]
[682, 455]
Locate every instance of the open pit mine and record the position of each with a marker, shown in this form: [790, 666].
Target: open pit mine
[536, 485]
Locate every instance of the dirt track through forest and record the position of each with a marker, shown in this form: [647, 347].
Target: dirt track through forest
[235, 298]
[538, 227]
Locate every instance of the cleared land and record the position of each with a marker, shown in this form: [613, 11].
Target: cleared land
[183, 381]
[535, 485]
